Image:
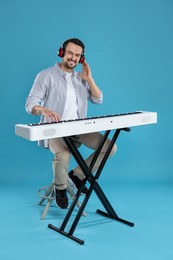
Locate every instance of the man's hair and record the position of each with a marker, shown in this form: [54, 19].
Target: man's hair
[75, 41]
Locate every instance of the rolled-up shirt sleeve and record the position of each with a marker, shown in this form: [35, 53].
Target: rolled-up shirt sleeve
[97, 100]
[38, 92]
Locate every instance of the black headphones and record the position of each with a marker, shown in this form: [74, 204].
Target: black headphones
[62, 48]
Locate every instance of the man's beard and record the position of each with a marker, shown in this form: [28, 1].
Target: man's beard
[68, 65]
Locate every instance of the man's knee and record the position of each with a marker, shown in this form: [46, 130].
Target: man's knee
[114, 150]
[63, 156]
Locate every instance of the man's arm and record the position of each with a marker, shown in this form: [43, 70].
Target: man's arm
[87, 76]
[35, 97]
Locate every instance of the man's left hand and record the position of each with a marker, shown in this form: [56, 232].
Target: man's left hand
[86, 72]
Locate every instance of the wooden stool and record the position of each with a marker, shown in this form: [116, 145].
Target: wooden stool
[49, 195]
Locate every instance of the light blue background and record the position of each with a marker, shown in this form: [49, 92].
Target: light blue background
[129, 48]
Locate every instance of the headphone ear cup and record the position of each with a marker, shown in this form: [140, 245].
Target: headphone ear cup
[61, 52]
[82, 59]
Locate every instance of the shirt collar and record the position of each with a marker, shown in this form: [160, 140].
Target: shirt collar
[60, 71]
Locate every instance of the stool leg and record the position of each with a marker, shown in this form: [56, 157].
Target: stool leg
[50, 199]
[46, 195]
[50, 195]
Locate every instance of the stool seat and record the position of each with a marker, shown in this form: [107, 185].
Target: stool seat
[48, 193]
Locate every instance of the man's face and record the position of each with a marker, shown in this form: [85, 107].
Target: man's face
[72, 56]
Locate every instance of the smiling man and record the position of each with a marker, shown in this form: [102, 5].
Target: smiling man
[73, 55]
[60, 93]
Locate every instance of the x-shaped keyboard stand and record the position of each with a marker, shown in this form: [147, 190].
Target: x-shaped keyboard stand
[94, 185]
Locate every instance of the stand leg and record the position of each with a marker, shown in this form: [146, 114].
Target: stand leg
[128, 223]
[62, 232]
[72, 195]
[87, 170]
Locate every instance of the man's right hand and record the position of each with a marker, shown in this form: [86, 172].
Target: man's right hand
[51, 116]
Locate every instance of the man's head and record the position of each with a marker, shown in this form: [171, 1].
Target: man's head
[72, 53]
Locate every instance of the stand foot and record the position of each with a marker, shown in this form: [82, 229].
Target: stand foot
[115, 218]
[79, 241]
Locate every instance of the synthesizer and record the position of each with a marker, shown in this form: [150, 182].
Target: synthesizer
[42, 131]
